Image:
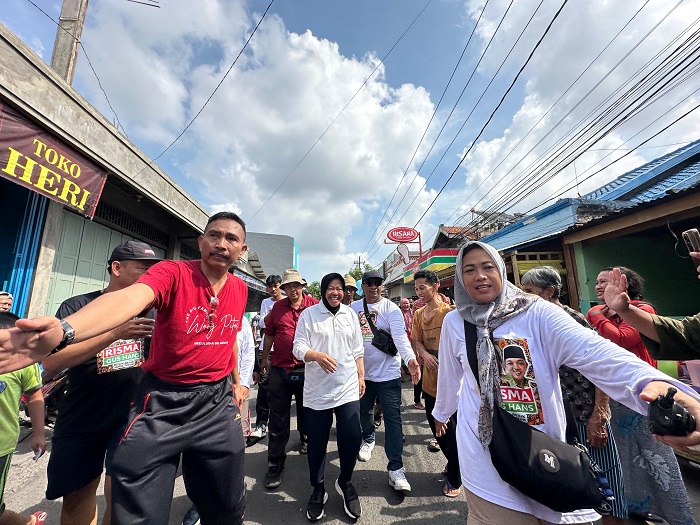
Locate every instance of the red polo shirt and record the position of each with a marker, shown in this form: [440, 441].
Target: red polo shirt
[282, 325]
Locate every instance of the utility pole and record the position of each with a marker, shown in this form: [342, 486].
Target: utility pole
[63, 60]
[359, 262]
[68, 33]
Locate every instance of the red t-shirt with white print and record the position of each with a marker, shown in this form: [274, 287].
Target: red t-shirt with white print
[185, 347]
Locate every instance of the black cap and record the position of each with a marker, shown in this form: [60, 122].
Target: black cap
[372, 274]
[132, 251]
[513, 352]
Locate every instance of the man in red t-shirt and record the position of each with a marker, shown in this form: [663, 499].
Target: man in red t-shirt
[184, 406]
[286, 373]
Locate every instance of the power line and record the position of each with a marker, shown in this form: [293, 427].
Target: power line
[505, 193]
[379, 246]
[537, 45]
[493, 113]
[340, 113]
[534, 126]
[216, 88]
[658, 74]
[454, 70]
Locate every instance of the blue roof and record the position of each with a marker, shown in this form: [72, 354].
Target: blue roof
[650, 181]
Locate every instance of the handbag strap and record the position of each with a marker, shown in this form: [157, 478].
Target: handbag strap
[369, 318]
[470, 341]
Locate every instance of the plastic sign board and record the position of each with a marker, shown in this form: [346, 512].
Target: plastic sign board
[402, 234]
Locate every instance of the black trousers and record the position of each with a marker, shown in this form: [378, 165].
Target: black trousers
[448, 442]
[280, 395]
[202, 424]
[319, 424]
[262, 403]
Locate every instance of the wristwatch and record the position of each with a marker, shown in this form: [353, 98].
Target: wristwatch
[68, 335]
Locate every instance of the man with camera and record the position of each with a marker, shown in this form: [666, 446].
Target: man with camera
[385, 343]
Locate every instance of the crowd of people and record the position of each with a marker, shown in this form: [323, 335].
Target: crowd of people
[167, 358]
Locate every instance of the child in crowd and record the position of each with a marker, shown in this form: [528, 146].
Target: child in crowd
[12, 386]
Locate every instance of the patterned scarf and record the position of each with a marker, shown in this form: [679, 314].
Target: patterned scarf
[487, 317]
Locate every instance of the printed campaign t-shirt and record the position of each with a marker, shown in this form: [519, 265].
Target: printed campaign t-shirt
[186, 347]
[99, 390]
[12, 386]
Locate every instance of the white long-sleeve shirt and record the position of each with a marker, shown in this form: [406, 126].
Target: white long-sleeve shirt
[551, 338]
[246, 352]
[338, 336]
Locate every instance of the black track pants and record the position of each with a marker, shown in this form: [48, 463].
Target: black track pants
[202, 424]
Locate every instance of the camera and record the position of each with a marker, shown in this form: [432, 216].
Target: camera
[668, 418]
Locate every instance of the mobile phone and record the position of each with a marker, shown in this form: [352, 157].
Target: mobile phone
[692, 240]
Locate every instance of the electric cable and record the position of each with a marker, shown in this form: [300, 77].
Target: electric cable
[82, 47]
[454, 70]
[500, 103]
[539, 42]
[566, 146]
[340, 113]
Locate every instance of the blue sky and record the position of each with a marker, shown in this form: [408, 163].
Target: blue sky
[306, 61]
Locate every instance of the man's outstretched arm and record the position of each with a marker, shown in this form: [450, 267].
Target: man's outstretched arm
[33, 339]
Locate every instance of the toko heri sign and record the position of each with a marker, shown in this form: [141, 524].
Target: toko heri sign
[402, 234]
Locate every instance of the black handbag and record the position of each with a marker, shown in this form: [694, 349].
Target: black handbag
[558, 475]
[382, 339]
[293, 378]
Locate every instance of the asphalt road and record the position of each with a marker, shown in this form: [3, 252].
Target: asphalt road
[381, 504]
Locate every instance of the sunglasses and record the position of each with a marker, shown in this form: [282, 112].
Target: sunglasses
[213, 304]
[373, 282]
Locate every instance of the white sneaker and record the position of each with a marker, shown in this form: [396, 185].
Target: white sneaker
[397, 479]
[259, 432]
[365, 453]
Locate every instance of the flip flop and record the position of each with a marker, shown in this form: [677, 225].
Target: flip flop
[450, 491]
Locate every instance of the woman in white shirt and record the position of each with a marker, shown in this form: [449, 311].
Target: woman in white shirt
[505, 316]
[328, 339]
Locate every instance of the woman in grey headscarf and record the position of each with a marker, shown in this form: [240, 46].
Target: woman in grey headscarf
[504, 316]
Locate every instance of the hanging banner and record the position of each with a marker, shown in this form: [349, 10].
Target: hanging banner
[35, 159]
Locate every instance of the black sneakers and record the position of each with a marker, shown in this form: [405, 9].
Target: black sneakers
[314, 510]
[273, 478]
[351, 501]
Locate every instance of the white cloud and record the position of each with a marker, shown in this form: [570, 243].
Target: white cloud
[580, 33]
[161, 65]
[276, 102]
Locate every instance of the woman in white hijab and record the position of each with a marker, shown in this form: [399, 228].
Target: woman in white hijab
[505, 316]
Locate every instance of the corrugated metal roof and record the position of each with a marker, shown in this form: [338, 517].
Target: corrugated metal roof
[673, 173]
[639, 185]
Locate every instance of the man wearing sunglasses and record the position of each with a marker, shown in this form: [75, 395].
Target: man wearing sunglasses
[383, 376]
[183, 408]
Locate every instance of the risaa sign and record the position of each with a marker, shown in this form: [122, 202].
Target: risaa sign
[402, 234]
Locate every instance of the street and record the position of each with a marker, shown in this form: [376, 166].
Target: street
[287, 504]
